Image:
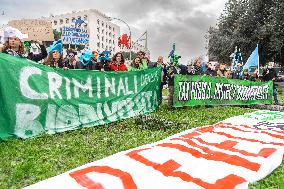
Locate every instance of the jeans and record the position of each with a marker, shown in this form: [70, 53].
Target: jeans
[275, 96]
[171, 97]
[161, 94]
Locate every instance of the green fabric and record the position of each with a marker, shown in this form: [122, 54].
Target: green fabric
[205, 90]
[142, 66]
[35, 98]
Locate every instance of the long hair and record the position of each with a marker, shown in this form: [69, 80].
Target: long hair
[196, 60]
[21, 50]
[122, 58]
[133, 62]
[49, 61]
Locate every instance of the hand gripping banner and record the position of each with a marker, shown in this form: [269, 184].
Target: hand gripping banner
[35, 98]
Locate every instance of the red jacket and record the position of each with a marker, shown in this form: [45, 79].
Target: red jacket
[120, 67]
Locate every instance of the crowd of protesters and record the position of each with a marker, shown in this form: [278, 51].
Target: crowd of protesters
[92, 60]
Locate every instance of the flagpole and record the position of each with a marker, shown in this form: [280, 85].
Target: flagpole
[258, 60]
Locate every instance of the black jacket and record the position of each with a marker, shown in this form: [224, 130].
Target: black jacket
[270, 74]
[210, 72]
[40, 56]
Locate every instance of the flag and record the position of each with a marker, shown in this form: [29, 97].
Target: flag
[253, 60]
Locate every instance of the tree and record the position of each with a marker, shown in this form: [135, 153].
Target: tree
[246, 23]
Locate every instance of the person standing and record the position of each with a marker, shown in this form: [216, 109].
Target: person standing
[14, 45]
[171, 71]
[118, 63]
[270, 74]
[136, 65]
[211, 70]
[54, 58]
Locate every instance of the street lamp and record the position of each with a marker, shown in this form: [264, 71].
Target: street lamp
[111, 18]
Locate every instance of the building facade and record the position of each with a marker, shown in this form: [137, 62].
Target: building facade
[103, 33]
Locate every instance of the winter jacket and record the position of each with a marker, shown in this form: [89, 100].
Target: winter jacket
[116, 67]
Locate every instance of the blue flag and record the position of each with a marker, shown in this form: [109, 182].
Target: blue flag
[253, 60]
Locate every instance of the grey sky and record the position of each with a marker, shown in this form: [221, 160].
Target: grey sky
[184, 22]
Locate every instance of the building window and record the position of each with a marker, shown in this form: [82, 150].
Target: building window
[103, 46]
[109, 28]
[113, 36]
[98, 21]
[98, 44]
[109, 48]
[113, 49]
[102, 24]
[112, 29]
[106, 25]
[106, 40]
[85, 17]
[98, 37]
[73, 19]
[98, 30]
[106, 33]
[55, 22]
[102, 38]
[103, 31]
[109, 41]
[106, 47]
[61, 21]
[67, 21]
[113, 41]
[109, 34]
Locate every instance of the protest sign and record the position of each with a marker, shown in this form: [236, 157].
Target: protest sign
[205, 90]
[36, 98]
[37, 29]
[75, 36]
[227, 155]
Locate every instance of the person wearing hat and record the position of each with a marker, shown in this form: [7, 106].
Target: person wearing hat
[54, 58]
[13, 42]
[14, 45]
[103, 60]
[86, 60]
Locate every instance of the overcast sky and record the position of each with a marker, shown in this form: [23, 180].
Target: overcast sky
[184, 22]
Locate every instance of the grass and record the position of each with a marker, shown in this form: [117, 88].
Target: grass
[24, 162]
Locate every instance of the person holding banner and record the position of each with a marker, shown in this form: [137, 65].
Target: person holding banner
[86, 60]
[13, 42]
[136, 65]
[70, 60]
[270, 74]
[171, 71]
[145, 61]
[211, 70]
[102, 60]
[54, 58]
[14, 45]
[118, 63]
[221, 71]
[196, 69]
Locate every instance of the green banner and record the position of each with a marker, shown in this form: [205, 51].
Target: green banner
[205, 90]
[35, 98]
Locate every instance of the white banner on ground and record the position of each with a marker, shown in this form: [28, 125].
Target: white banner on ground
[230, 155]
